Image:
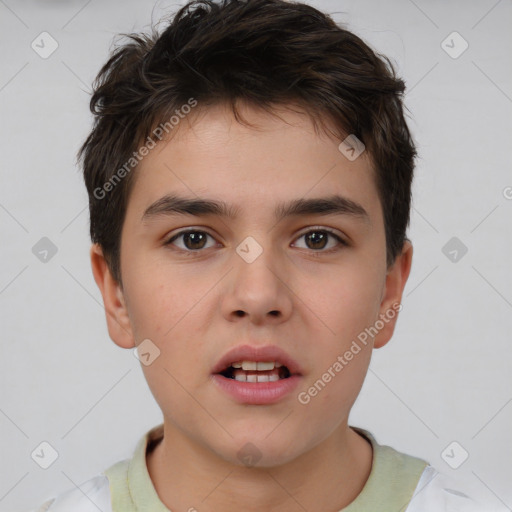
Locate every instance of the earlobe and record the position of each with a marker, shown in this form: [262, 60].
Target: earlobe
[396, 278]
[118, 322]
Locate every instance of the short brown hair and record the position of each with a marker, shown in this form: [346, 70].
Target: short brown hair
[262, 52]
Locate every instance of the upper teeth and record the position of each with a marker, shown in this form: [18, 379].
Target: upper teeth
[256, 365]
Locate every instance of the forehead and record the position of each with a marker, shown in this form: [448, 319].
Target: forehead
[273, 159]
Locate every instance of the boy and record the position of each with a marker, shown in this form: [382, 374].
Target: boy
[249, 175]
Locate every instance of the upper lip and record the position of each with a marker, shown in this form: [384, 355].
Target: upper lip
[252, 353]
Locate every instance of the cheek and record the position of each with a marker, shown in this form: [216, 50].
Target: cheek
[169, 309]
[331, 391]
[166, 310]
[160, 300]
[347, 300]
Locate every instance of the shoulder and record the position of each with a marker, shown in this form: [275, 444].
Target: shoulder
[91, 496]
[442, 493]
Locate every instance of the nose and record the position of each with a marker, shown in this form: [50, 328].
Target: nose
[259, 291]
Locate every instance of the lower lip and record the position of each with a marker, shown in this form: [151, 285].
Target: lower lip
[257, 393]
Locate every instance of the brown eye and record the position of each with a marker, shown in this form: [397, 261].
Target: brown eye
[318, 239]
[192, 240]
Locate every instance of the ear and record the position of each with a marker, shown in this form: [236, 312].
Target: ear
[118, 322]
[390, 306]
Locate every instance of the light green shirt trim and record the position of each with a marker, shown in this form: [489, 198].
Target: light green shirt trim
[131, 487]
[392, 481]
[389, 488]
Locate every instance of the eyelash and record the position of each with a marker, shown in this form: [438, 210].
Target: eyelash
[313, 251]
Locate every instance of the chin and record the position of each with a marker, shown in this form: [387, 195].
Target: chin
[263, 453]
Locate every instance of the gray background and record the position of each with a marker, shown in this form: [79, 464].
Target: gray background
[444, 377]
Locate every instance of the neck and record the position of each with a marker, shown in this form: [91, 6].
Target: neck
[187, 476]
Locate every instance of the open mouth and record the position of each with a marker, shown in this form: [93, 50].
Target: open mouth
[250, 371]
[257, 377]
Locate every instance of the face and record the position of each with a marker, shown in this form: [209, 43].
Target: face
[309, 283]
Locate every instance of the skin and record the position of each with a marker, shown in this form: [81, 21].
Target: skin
[189, 305]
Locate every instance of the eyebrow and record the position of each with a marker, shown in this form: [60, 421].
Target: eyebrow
[172, 204]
